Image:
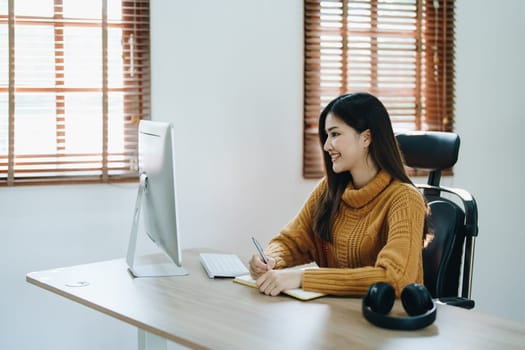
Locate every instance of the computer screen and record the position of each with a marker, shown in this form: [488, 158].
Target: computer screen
[156, 201]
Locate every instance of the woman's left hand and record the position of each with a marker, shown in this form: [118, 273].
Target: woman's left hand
[274, 282]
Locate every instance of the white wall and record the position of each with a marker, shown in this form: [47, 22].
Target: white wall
[233, 89]
[48, 227]
[490, 119]
[233, 92]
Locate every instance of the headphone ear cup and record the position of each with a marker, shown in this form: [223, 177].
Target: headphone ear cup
[416, 299]
[380, 297]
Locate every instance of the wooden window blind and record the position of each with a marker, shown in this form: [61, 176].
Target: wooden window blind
[74, 83]
[402, 51]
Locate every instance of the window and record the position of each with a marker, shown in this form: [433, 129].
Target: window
[74, 82]
[402, 51]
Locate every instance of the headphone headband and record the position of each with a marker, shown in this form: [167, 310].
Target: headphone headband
[417, 301]
[399, 323]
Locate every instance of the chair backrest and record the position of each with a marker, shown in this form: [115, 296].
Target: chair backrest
[448, 259]
[442, 257]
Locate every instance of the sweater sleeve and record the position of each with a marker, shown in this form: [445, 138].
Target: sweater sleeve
[295, 244]
[399, 262]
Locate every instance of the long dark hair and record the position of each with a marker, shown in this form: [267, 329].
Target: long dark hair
[361, 111]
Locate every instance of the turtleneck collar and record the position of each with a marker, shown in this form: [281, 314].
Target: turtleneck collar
[357, 198]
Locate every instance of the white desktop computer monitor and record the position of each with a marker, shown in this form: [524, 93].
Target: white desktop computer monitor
[156, 201]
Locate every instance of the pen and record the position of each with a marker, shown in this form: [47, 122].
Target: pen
[260, 250]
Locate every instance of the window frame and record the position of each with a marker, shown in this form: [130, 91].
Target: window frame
[434, 55]
[64, 167]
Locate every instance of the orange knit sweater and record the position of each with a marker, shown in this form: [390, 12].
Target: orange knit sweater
[377, 236]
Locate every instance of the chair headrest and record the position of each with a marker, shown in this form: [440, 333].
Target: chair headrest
[429, 150]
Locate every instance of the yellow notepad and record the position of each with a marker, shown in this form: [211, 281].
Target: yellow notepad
[297, 293]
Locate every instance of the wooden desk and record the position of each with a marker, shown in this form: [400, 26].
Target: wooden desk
[199, 312]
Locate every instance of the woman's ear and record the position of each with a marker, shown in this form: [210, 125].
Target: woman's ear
[366, 137]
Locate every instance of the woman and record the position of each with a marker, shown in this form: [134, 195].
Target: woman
[364, 221]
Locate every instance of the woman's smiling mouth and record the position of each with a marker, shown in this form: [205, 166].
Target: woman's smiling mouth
[334, 156]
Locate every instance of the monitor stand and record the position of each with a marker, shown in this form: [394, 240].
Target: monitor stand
[161, 269]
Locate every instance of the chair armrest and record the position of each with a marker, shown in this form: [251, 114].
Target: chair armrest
[462, 302]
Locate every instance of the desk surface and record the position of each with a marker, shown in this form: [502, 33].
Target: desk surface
[199, 312]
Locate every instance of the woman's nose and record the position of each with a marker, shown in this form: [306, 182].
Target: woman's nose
[326, 146]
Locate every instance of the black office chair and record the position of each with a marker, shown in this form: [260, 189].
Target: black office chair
[454, 226]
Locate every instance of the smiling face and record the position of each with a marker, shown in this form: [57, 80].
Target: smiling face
[348, 149]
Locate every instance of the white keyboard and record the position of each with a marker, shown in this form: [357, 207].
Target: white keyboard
[222, 265]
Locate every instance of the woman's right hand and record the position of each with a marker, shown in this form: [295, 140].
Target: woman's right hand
[258, 267]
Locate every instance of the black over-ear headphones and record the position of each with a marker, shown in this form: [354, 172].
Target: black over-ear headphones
[416, 299]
